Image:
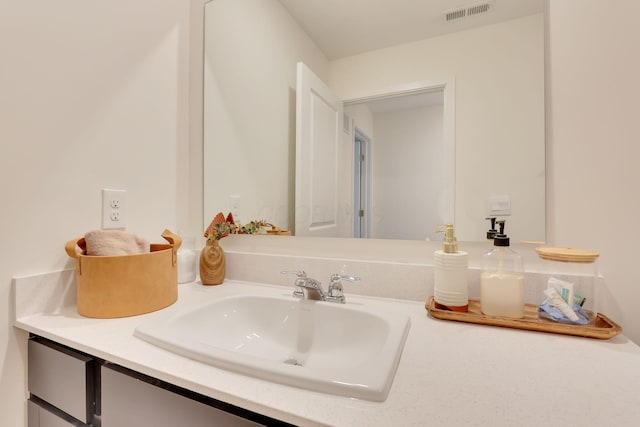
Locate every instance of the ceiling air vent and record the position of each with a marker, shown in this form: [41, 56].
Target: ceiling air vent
[478, 9]
[455, 14]
[470, 10]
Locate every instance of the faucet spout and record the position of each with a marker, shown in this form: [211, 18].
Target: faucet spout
[312, 289]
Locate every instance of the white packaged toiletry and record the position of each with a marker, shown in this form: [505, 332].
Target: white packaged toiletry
[555, 300]
[563, 288]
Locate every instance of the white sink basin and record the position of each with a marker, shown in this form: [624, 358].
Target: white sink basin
[322, 346]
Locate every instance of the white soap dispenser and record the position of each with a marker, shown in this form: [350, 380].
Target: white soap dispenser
[502, 279]
[450, 267]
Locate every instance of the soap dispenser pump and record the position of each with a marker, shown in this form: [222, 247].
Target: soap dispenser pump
[450, 266]
[491, 233]
[502, 279]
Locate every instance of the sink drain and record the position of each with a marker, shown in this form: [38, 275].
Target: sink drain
[293, 361]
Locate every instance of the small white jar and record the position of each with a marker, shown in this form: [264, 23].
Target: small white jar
[187, 257]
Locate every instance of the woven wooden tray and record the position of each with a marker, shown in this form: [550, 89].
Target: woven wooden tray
[602, 328]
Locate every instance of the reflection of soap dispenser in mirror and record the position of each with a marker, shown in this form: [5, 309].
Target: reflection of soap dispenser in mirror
[502, 279]
[491, 233]
[450, 267]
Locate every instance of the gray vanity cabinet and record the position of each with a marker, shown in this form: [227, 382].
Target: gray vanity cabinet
[39, 416]
[131, 402]
[68, 388]
[61, 386]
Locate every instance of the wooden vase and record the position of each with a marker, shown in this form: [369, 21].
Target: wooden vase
[212, 263]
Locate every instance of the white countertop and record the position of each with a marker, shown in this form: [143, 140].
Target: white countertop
[450, 373]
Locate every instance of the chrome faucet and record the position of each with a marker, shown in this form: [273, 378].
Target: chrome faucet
[302, 277]
[311, 289]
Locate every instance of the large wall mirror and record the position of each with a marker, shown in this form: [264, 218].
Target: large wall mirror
[439, 116]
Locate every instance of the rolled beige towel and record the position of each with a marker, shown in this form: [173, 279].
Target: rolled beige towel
[114, 242]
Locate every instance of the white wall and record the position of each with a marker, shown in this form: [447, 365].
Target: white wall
[93, 95]
[251, 53]
[408, 174]
[592, 141]
[499, 83]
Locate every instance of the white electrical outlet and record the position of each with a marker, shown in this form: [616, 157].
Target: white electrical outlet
[234, 202]
[114, 209]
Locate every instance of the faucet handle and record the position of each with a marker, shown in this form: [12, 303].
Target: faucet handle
[335, 292]
[301, 275]
[338, 277]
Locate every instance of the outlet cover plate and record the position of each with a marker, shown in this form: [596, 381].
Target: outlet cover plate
[114, 209]
[499, 205]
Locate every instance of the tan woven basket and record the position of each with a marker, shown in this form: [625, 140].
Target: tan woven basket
[126, 285]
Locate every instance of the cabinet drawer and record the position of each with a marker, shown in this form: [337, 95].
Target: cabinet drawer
[39, 416]
[130, 402]
[61, 377]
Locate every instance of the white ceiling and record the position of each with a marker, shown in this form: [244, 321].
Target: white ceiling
[348, 27]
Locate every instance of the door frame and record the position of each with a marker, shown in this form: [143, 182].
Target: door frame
[447, 85]
[362, 199]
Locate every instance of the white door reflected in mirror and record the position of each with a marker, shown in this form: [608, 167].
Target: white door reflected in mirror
[322, 196]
